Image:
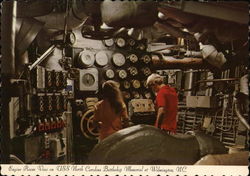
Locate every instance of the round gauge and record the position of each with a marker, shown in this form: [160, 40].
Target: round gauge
[131, 42]
[146, 59]
[86, 58]
[110, 74]
[126, 95]
[101, 58]
[144, 83]
[109, 42]
[120, 42]
[126, 84]
[135, 94]
[119, 59]
[122, 74]
[148, 95]
[88, 79]
[146, 71]
[71, 38]
[136, 84]
[133, 58]
[133, 71]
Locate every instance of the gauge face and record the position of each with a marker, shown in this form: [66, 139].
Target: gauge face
[146, 71]
[109, 42]
[110, 74]
[148, 95]
[131, 42]
[72, 38]
[144, 83]
[141, 46]
[126, 95]
[135, 94]
[86, 58]
[133, 58]
[136, 84]
[119, 59]
[88, 79]
[101, 58]
[146, 59]
[133, 71]
[126, 84]
[120, 42]
[122, 74]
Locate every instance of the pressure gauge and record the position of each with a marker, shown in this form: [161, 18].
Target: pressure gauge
[133, 58]
[86, 58]
[88, 80]
[146, 71]
[148, 95]
[126, 95]
[110, 74]
[146, 59]
[118, 59]
[101, 58]
[144, 83]
[133, 71]
[122, 74]
[126, 84]
[71, 38]
[120, 42]
[109, 42]
[135, 94]
[131, 42]
[136, 84]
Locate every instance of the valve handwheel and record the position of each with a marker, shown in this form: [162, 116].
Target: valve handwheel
[87, 126]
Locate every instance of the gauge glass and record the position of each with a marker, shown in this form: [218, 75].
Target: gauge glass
[122, 74]
[126, 84]
[136, 84]
[120, 42]
[109, 42]
[133, 58]
[88, 79]
[101, 58]
[119, 59]
[110, 74]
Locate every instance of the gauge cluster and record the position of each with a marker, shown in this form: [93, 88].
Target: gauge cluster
[122, 58]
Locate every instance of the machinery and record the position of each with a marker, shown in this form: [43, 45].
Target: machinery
[59, 54]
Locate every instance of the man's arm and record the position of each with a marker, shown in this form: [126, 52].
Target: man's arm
[160, 115]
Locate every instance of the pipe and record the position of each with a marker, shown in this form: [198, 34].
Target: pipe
[239, 115]
[8, 72]
[8, 31]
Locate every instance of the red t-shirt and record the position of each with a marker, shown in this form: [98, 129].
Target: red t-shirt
[167, 98]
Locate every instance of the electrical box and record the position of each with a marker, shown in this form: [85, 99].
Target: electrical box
[201, 101]
[88, 79]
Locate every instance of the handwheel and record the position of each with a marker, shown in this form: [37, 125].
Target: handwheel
[87, 125]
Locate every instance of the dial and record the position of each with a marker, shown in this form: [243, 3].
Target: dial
[110, 74]
[133, 58]
[71, 38]
[148, 95]
[144, 83]
[109, 42]
[133, 71]
[126, 95]
[101, 58]
[120, 42]
[88, 79]
[131, 42]
[141, 46]
[119, 59]
[126, 84]
[136, 84]
[135, 94]
[146, 59]
[146, 71]
[86, 58]
[122, 74]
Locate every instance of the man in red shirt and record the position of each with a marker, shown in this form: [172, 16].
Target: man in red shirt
[166, 103]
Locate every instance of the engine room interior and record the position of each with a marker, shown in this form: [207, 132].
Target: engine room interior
[57, 56]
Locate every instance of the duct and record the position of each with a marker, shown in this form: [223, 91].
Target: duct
[129, 13]
[29, 29]
[162, 148]
[8, 37]
[76, 17]
[240, 158]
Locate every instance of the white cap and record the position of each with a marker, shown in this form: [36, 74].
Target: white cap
[151, 79]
